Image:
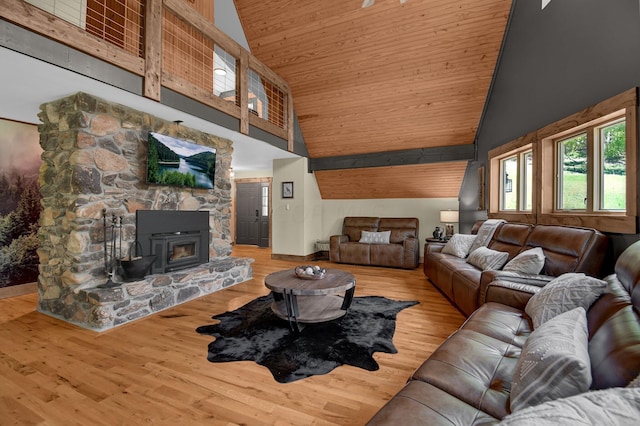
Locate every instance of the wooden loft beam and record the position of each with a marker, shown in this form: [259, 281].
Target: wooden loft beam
[153, 49]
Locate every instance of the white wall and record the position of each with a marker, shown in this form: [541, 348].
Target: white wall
[314, 212]
[226, 19]
[288, 217]
[72, 11]
[252, 174]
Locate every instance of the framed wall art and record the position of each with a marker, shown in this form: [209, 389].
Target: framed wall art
[287, 189]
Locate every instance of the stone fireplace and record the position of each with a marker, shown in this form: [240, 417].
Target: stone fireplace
[94, 163]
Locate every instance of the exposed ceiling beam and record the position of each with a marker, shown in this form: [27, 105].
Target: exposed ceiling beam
[395, 158]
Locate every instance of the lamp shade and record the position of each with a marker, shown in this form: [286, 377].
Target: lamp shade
[449, 216]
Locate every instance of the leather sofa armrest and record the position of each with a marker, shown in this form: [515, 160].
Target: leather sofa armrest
[411, 252]
[523, 286]
[508, 293]
[433, 247]
[334, 246]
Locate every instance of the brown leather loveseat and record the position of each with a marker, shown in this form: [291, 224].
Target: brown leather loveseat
[469, 379]
[402, 251]
[566, 249]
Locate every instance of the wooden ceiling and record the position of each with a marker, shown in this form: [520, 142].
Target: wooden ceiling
[389, 77]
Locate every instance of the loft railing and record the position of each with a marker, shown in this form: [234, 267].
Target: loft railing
[169, 43]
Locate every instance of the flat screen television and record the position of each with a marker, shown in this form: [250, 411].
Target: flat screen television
[176, 162]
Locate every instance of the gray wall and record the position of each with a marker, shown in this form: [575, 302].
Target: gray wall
[555, 62]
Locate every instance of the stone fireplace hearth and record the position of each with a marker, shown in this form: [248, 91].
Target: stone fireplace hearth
[94, 160]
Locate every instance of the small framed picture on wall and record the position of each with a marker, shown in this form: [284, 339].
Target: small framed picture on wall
[287, 189]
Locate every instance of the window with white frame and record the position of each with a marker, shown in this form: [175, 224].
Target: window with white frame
[516, 181]
[591, 168]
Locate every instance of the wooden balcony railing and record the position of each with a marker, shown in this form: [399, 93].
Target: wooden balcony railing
[172, 44]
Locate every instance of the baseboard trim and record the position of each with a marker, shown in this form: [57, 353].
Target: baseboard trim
[18, 290]
[294, 258]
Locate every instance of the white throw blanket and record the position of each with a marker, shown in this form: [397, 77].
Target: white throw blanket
[485, 233]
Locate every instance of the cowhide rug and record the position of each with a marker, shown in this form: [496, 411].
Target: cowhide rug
[254, 333]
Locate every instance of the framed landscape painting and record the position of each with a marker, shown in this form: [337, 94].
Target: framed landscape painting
[20, 207]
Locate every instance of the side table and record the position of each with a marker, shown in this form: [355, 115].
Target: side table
[434, 240]
[322, 250]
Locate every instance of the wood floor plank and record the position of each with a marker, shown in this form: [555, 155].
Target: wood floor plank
[154, 370]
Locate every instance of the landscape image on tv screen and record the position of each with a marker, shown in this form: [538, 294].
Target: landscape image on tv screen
[176, 162]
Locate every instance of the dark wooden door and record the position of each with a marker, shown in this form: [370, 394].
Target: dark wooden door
[252, 213]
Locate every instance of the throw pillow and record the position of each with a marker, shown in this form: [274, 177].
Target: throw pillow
[528, 262]
[615, 406]
[459, 245]
[566, 292]
[485, 233]
[554, 362]
[486, 258]
[375, 237]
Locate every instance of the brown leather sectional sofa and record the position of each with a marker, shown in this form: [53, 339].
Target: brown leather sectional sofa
[566, 249]
[403, 250]
[468, 379]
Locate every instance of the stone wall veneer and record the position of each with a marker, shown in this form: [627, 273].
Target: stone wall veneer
[95, 158]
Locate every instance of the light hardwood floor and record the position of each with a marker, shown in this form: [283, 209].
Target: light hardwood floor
[155, 370]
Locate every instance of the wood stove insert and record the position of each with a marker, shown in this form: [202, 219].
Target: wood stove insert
[180, 239]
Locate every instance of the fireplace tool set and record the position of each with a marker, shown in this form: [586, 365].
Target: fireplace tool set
[117, 268]
[111, 261]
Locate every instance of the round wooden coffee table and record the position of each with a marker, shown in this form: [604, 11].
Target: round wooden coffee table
[301, 300]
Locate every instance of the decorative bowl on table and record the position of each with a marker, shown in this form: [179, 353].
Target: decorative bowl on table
[309, 272]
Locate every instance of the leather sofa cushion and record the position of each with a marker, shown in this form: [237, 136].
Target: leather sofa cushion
[502, 322]
[353, 226]
[420, 403]
[475, 368]
[356, 252]
[614, 350]
[441, 267]
[564, 248]
[510, 237]
[387, 255]
[476, 363]
[401, 228]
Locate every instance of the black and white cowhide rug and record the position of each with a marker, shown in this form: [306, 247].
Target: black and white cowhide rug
[254, 333]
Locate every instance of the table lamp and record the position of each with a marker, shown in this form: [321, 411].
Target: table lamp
[449, 217]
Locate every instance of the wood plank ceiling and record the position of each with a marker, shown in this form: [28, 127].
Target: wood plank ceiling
[389, 77]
